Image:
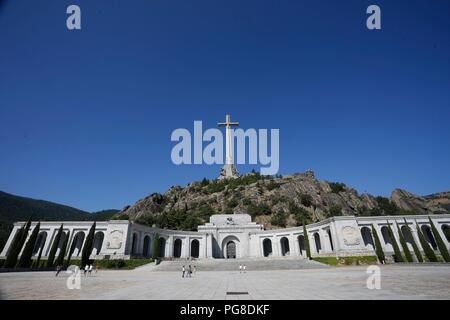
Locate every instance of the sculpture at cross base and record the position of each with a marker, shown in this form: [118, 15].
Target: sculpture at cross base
[228, 170]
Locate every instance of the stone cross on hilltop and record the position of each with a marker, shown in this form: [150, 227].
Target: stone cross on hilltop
[228, 170]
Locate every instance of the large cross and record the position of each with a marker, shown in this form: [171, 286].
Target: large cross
[229, 146]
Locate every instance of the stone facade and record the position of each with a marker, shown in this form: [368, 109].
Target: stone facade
[235, 236]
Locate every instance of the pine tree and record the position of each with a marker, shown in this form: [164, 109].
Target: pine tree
[404, 245]
[397, 253]
[87, 248]
[378, 248]
[413, 242]
[11, 259]
[51, 256]
[306, 238]
[62, 253]
[441, 245]
[429, 253]
[155, 247]
[25, 258]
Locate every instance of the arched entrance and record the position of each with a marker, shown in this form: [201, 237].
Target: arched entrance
[406, 234]
[301, 244]
[267, 247]
[98, 242]
[162, 248]
[317, 241]
[40, 242]
[134, 244]
[366, 234]
[177, 248]
[147, 247]
[231, 250]
[446, 230]
[284, 242]
[426, 230]
[77, 243]
[386, 236]
[195, 248]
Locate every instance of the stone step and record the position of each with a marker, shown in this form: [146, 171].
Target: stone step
[233, 264]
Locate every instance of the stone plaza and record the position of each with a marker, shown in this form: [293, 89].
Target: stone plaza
[406, 281]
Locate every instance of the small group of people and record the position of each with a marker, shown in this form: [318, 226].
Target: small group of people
[242, 268]
[88, 269]
[187, 273]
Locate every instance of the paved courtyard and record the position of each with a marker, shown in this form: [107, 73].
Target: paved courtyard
[397, 282]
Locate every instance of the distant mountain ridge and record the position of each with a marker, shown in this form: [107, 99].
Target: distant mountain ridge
[16, 208]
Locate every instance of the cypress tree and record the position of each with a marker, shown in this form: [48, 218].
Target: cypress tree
[87, 248]
[25, 258]
[155, 246]
[11, 260]
[378, 248]
[62, 253]
[38, 261]
[51, 256]
[404, 245]
[441, 245]
[306, 238]
[413, 242]
[429, 253]
[397, 253]
[14, 244]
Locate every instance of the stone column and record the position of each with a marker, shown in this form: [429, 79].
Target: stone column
[325, 241]
[169, 247]
[276, 247]
[185, 247]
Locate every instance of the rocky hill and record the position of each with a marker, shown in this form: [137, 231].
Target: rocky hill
[273, 201]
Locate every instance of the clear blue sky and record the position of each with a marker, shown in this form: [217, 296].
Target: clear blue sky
[86, 116]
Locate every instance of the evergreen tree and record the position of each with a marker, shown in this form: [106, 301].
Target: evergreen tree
[429, 253]
[397, 253]
[413, 242]
[69, 257]
[11, 259]
[378, 248]
[14, 244]
[51, 256]
[155, 247]
[87, 248]
[404, 245]
[305, 236]
[38, 261]
[441, 245]
[25, 258]
[60, 260]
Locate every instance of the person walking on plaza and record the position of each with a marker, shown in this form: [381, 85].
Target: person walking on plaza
[244, 268]
[86, 268]
[240, 268]
[189, 271]
[183, 271]
[58, 269]
[90, 269]
[195, 270]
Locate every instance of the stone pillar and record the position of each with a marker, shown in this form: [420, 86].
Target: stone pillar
[185, 246]
[325, 241]
[48, 244]
[276, 247]
[169, 247]
[293, 246]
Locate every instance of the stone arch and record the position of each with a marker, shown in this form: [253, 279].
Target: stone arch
[301, 244]
[135, 244]
[428, 234]
[77, 243]
[284, 243]
[386, 237]
[195, 248]
[230, 247]
[267, 247]
[446, 230]
[162, 247]
[317, 242]
[146, 250]
[406, 234]
[40, 242]
[98, 242]
[366, 234]
[177, 245]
